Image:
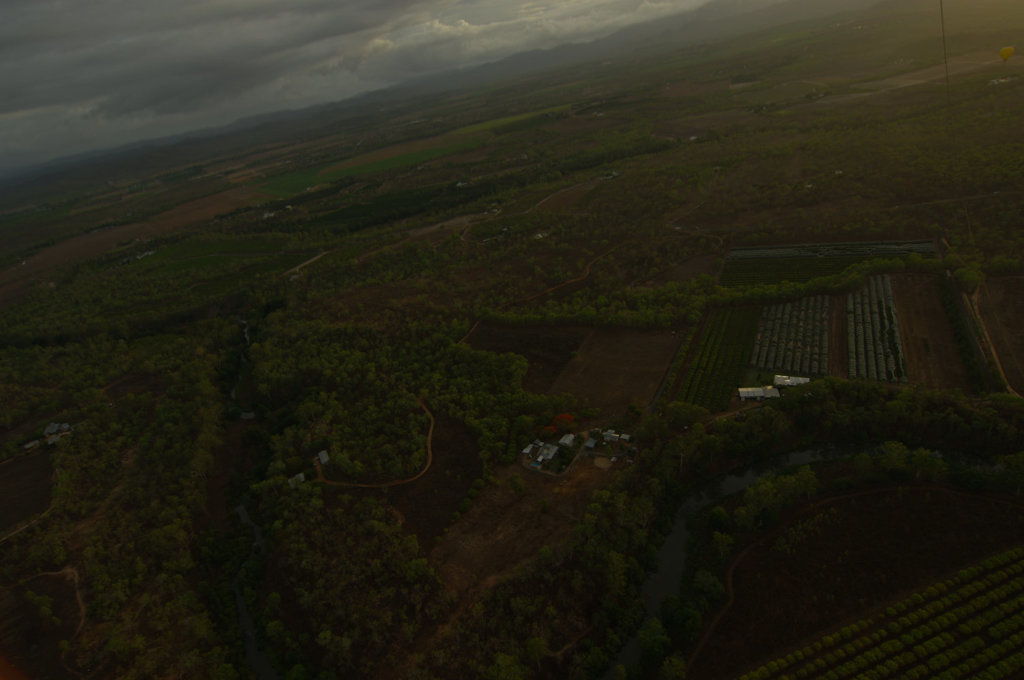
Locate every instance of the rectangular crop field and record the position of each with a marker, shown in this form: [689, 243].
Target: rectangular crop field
[719, 357]
[932, 355]
[793, 337]
[874, 346]
[616, 368]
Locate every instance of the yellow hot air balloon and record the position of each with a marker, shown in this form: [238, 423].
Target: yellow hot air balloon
[1006, 53]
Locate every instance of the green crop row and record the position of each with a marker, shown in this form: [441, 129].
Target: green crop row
[940, 631]
[720, 357]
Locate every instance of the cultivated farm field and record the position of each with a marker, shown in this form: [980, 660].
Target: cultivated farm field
[1002, 308]
[817, 593]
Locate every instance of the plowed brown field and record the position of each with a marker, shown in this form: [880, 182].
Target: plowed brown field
[1002, 309]
[931, 353]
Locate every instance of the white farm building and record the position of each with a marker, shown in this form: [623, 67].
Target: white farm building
[789, 381]
[758, 393]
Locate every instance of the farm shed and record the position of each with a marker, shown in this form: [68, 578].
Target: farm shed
[759, 393]
[322, 457]
[567, 440]
[297, 479]
[789, 381]
[590, 443]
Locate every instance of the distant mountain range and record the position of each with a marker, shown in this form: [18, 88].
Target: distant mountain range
[711, 22]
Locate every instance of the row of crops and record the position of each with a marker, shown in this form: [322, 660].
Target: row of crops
[855, 248]
[801, 263]
[720, 358]
[754, 271]
[793, 337]
[874, 348]
[969, 626]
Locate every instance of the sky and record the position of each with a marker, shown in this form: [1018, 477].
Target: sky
[79, 75]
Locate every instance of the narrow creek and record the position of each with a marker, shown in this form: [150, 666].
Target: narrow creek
[667, 578]
[258, 662]
[254, 656]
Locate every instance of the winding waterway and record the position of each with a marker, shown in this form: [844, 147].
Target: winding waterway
[254, 656]
[666, 579]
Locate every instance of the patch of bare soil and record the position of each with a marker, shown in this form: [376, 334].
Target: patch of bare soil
[615, 368]
[838, 356]
[504, 528]
[1001, 302]
[870, 548]
[25, 488]
[16, 280]
[931, 353]
[32, 626]
[428, 504]
[547, 348]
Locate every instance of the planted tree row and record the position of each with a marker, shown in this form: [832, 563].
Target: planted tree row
[720, 357]
[819, 250]
[968, 626]
[874, 348]
[793, 337]
[774, 264]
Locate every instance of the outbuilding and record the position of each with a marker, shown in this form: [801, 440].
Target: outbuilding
[758, 393]
[790, 380]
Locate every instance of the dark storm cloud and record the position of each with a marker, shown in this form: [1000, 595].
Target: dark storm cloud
[77, 75]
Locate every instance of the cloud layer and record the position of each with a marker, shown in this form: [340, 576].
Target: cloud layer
[84, 75]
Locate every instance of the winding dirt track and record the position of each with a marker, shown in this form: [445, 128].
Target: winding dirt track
[311, 260]
[581, 277]
[71, 574]
[430, 459]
